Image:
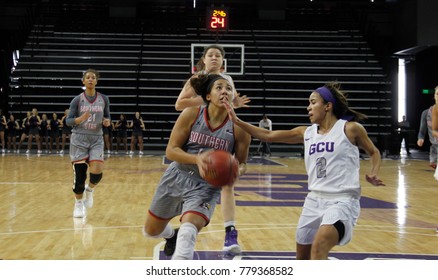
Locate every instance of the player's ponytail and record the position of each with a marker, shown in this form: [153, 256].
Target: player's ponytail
[203, 84]
[340, 107]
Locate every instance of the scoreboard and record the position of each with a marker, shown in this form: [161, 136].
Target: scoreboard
[217, 19]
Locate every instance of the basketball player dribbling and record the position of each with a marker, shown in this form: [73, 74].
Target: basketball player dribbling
[182, 189]
[331, 156]
[211, 62]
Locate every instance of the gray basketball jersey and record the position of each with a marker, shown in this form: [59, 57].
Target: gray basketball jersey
[203, 137]
[93, 125]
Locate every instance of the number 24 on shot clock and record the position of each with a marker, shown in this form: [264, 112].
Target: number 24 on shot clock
[217, 19]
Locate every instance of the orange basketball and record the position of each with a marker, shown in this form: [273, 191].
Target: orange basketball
[223, 169]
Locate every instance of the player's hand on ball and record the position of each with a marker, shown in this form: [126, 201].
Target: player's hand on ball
[374, 180]
[203, 161]
[222, 169]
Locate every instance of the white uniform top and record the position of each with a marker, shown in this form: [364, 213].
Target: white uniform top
[332, 162]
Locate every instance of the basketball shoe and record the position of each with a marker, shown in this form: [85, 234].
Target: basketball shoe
[169, 247]
[79, 210]
[231, 245]
[88, 201]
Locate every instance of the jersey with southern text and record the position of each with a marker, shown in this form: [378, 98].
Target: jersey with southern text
[202, 138]
[96, 107]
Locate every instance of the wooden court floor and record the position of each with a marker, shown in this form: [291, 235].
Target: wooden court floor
[398, 220]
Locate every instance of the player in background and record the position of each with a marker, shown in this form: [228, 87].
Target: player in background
[137, 126]
[34, 124]
[24, 130]
[54, 125]
[13, 128]
[122, 135]
[88, 112]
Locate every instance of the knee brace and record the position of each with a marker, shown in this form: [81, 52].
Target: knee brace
[80, 176]
[95, 178]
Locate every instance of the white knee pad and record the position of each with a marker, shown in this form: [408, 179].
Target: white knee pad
[185, 242]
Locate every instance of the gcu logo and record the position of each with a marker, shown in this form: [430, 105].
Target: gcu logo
[322, 147]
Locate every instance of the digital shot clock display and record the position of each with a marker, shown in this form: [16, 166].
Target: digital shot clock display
[217, 19]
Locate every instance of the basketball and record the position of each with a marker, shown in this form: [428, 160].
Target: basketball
[223, 169]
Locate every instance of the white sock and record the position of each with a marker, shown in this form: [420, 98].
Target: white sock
[185, 242]
[229, 224]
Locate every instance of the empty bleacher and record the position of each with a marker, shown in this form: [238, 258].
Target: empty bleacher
[143, 69]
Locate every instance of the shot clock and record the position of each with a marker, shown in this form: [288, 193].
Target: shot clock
[217, 19]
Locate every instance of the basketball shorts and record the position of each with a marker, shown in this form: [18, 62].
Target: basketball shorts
[179, 192]
[319, 211]
[86, 147]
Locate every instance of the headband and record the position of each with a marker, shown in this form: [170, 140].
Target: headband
[327, 95]
[211, 79]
